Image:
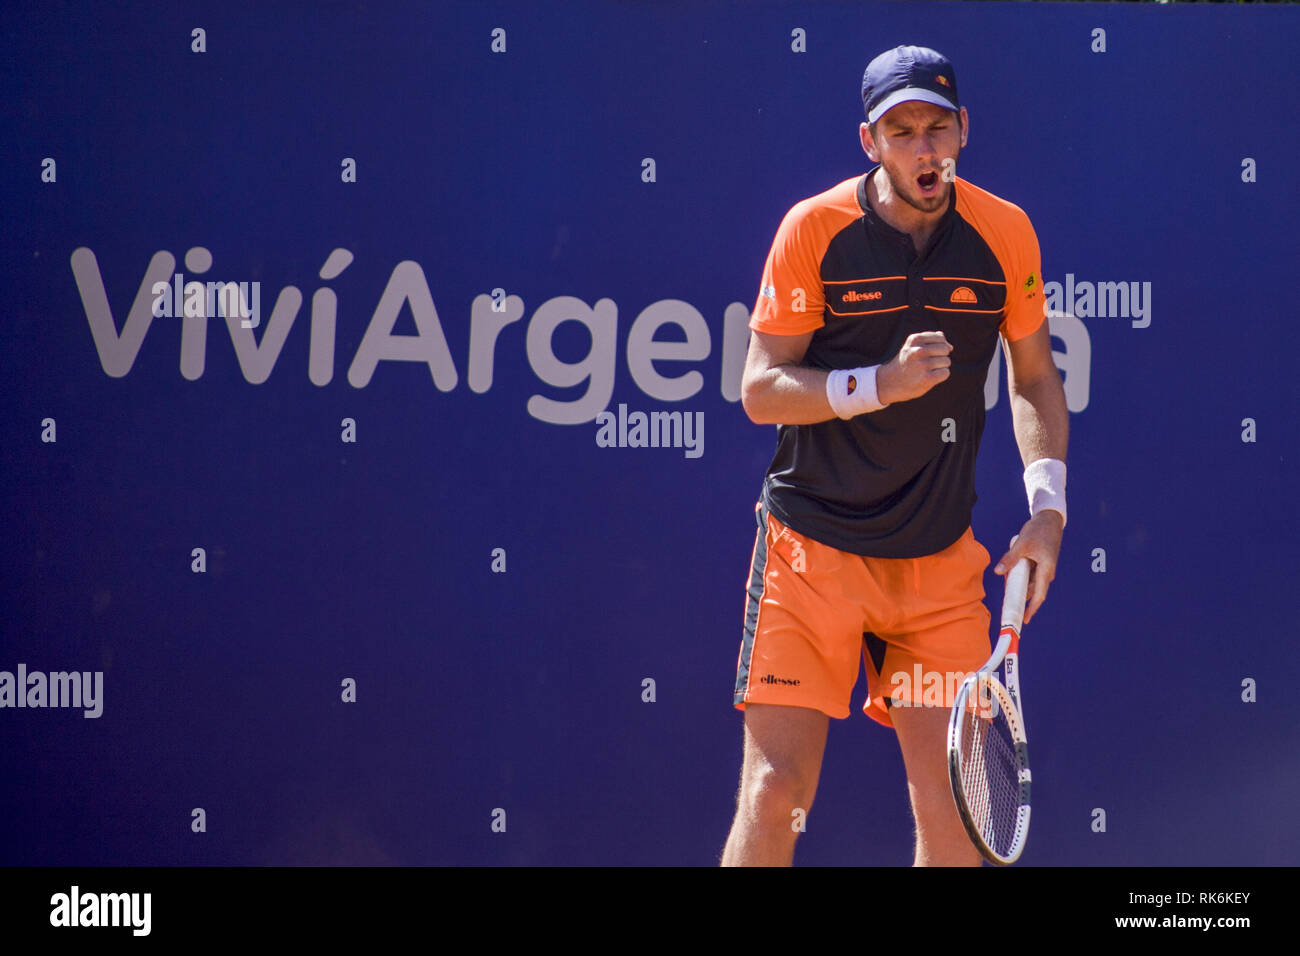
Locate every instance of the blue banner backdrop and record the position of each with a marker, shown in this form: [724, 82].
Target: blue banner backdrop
[394, 479]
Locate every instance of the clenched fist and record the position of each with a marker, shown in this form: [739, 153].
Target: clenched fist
[920, 365]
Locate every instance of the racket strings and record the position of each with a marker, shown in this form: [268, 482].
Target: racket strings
[990, 776]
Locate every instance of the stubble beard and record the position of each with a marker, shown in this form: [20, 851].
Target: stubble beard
[929, 204]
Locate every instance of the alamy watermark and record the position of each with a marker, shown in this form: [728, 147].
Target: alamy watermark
[653, 430]
[74, 689]
[922, 688]
[128, 910]
[1101, 300]
[208, 300]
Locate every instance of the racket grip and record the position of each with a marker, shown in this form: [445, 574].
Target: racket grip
[1013, 604]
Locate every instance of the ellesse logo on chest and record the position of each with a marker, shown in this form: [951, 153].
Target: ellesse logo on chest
[866, 296]
[853, 296]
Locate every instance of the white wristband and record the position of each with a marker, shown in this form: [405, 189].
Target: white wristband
[852, 391]
[1045, 486]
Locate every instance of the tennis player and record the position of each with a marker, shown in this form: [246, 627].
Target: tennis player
[881, 303]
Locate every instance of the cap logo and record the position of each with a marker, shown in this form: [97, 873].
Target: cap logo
[942, 80]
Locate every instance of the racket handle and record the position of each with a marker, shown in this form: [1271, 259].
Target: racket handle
[1013, 605]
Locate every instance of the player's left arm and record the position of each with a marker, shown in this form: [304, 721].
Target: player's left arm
[1042, 426]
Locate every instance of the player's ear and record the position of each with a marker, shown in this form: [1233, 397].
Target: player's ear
[965, 126]
[868, 143]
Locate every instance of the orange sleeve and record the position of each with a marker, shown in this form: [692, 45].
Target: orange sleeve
[1024, 269]
[791, 300]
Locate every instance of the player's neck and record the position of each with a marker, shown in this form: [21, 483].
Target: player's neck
[902, 215]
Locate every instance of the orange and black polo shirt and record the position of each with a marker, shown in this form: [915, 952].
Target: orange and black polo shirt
[887, 484]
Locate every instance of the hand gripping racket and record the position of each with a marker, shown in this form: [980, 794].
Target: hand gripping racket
[988, 759]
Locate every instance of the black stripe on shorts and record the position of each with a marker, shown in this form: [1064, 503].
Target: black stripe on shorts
[752, 602]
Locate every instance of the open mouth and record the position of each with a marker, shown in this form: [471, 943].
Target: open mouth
[928, 182]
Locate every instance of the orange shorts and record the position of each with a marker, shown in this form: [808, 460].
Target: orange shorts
[919, 625]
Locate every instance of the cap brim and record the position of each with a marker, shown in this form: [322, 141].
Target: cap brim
[907, 96]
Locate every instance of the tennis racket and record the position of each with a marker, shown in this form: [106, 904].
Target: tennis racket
[988, 759]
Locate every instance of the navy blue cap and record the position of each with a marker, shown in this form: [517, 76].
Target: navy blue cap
[908, 73]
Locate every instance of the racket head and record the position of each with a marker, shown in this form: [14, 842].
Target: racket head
[988, 767]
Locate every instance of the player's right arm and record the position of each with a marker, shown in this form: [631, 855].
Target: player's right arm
[776, 390]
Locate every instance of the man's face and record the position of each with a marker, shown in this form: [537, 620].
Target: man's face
[911, 142]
